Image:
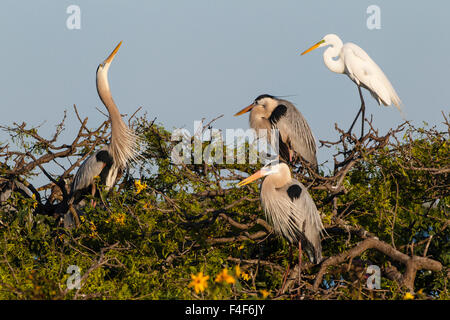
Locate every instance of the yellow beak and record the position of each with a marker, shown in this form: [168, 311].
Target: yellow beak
[111, 56]
[313, 47]
[246, 109]
[257, 175]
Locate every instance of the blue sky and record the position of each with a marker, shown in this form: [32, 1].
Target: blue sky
[187, 60]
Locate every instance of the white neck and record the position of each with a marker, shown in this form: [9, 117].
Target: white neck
[280, 178]
[259, 120]
[334, 51]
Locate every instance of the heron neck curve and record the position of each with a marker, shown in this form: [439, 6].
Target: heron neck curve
[122, 145]
[106, 97]
[259, 119]
[279, 179]
[332, 52]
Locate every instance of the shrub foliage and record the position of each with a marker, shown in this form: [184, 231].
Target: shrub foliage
[171, 231]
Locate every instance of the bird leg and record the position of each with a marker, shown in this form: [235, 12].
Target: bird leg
[363, 108]
[93, 202]
[299, 262]
[353, 123]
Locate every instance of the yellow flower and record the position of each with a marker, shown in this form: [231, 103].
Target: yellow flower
[148, 205]
[241, 247]
[225, 277]
[139, 186]
[119, 218]
[408, 296]
[93, 228]
[238, 271]
[199, 282]
[35, 203]
[245, 276]
[264, 293]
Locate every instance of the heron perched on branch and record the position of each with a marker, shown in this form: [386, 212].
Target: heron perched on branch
[290, 209]
[295, 136]
[112, 158]
[353, 61]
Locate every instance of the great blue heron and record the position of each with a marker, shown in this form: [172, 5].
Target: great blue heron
[296, 139]
[107, 162]
[353, 61]
[290, 209]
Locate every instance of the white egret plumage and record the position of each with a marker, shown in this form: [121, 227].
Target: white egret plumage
[353, 61]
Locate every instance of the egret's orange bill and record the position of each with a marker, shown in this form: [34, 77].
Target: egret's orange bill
[111, 56]
[246, 109]
[257, 175]
[313, 47]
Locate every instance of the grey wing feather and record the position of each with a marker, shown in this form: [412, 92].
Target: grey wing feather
[295, 219]
[295, 129]
[306, 213]
[86, 173]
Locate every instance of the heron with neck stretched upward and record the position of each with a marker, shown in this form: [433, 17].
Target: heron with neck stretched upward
[107, 162]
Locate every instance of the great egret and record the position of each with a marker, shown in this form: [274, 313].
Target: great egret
[296, 139]
[353, 61]
[107, 162]
[290, 209]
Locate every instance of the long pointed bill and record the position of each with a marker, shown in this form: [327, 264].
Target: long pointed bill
[111, 56]
[245, 110]
[257, 175]
[313, 47]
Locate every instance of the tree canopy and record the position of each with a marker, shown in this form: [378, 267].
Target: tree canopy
[185, 231]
